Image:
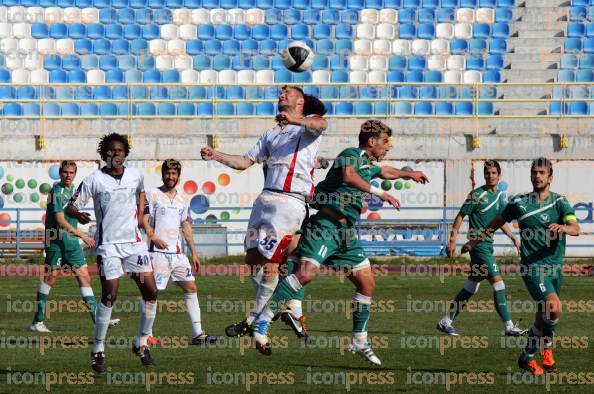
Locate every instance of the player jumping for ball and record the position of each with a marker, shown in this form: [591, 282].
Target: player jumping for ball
[166, 210]
[289, 152]
[118, 200]
[63, 249]
[330, 236]
[482, 205]
[544, 218]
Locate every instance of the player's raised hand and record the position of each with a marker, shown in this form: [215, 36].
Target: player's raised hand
[89, 241]
[83, 217]
[195, 263]
[207, 153]
[451, 248]
[419, 177]
[392, 200]
[468, 246]
[159, 243]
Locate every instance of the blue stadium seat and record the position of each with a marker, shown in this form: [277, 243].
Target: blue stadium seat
[77, 30]
[319, 4]
[380, 108]
[83, 46]
[77, 76]
[58, 30]
[51, 109]
[428, 92]
[401, 108]
[328, 92]
[321, 32]
[39, 30]
[584, 76]
[343, 108]
[212, 47]
[279, 32]
[89, 62]
[139, 47]
[416, 63]
[70, 62]
[146, 63]
[69, 109]
[151, 76]
[303, 77]
[117, 93]
[468, 3]
[338, 62]
[95, 31]
[283, 76]
[504, 15]
[339, 76]
[231, 47]
[343, 47]
[299, 32]
[426, 31]
[312, 17]
[447, 92]
[498, 46]
[221, 62]
[337, 4]
[107, 15]
[449, 3]
[88, 109]
[58, 76]
[268, 48]
[423, 108]
[170, 76]
[444, 108]
[414, 76]
[265, 108]
[576, 30]
[572, 45]
[355, 4]
[329, 108]
[500, 30]
[12, 109]
[407, 15]
[481, 30]
[477, 46]
[588, 45]
[506, 3]
[31, 109]
[281, 4]
[395, 76]
[325, 47]
[569, 61]
[432, 76]
[194, 47]
[52, 62]
[487, 3]
[408, 92]
[108, 62]
[101, 46]
[578, 14]
[458, 46]
[166, 109]
[273, 16]
[150, 32]
[186, 109]
[7, 92]
[146, 109]
[242, 63]
[102, 92]
[120, 47]
[260, 32]
[374, 4]
[446, 15]
[411, 4]
[277, 64]
[464, 108]
[301, 4]
[261, 63]
[556, 108]
[393, 4]
[363, 108]
[126, 16]
[566, 76]
[206, 32]
[426, 15]
[397, 62]
[249, 47]
[492, 76]
[578, 108]
[235, 93]
[108, 109]
[488, 92]
[475, 63]
[484, 108]
[113, 31]
[223, 32]
[344, 31]
[494, 62]
[586, 61]
[26, 93]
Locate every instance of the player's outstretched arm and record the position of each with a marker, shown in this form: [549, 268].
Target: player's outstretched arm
[189, 237]
[505, 228]
[314, 124]
[394, 173]
[570, 228]
[489, 231]
[451, 248]
[352, 178]
[78, 232]
[236, 162]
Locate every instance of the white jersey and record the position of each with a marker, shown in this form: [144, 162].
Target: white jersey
[166, 216]
[115, 203]
[289, 154]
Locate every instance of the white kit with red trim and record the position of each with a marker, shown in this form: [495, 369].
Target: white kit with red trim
[166, 216]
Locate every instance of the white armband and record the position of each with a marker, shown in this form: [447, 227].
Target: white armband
[376, 190]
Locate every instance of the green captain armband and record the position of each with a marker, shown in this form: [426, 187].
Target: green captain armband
[568, 218]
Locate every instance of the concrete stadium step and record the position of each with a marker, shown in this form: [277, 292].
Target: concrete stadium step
[548, 16]
[531, 57]
[528, 75]
[546, 3]
[538, 34]
[532, 65]
[524, 108]
[524, 91]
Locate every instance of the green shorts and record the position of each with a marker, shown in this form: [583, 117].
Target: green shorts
[542, 279]
[482, 262]
[326, 241]
[56, 257]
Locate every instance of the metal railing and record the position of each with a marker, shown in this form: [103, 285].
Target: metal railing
[46, 94]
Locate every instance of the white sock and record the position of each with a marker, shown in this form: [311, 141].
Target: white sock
[360, 337]
[295, 307]
[266, 315]
[193, 309]
[508, 325]
[263, 295]
[148, 311]
[446, 320]
[256, 278]
[44, 288]
[102, 316]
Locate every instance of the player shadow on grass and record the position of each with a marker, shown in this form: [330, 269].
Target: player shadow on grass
[349, 367]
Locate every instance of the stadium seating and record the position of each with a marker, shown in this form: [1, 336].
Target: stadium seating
[231, 41]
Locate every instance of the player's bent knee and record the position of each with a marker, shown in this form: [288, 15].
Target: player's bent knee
[472, 286]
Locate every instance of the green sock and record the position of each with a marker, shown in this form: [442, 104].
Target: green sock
[42, 294]
[360, 317]
[292, 267]
[501, 304]
[532, 344]
[548, 332]
[91, 303]
[459, 302]
[287, 289]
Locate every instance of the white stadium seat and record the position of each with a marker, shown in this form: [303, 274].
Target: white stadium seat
[189, 76]
[181, 16]
[28, 45]
[388, 15]
[463, 31]
[169, 32]
[14, 61]
[200, 16]
[254, 16]
[382, 47]
[95, 76]
[440, 46]
[35, 15]
[53, 15]
[236, 16]
[376, 76]
[452, 76]
[456, 62]
[65, 46]
[9, 46]
[378, 63]
[385, 31]
[369, 16]
[182, 62]
[365, 31]
[39, 75]
[436, 62]
[401, 47]
[72, 15]
[264, 76]
[465, 15]
[320, 76]
[157, 47]
[17, 14]
[33, 61]
[471, 76]
[188, 32]
[421, 47]
[20, 76]
[218, 16]
[357, 62]
[246, 76]
[90, 15]
[444, 30]
[176, 47]
[46, 46]
[5, 30]
[362, 47]
[208, 76]
[3, 14]
[21, 30]
[358, 76]
[227, 77]
[163, 62]
[485, 15]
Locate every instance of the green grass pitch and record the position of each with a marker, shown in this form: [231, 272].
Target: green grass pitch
[415, 357]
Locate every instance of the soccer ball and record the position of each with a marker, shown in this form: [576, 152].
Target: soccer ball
[297, 56]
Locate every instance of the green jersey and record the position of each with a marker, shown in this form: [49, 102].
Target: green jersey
[57, 200]
[481, 207]
[539, 244]
[333, 193]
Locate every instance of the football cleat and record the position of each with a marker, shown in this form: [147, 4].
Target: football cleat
[239, 329]
[364, 350]
[298, 326]
[530, 366]
[515, 331]
[447, 329]
[261, 338]
[39, 327]
[144, 354]
[204, 339]
[113, 322]
[548, 361]
[98, 362]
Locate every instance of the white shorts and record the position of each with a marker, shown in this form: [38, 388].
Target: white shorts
[275, 218]
[115, 259]
[171, 265]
